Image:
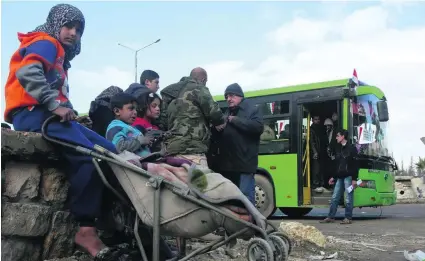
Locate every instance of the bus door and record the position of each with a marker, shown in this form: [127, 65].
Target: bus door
[304, 155]
[306, 108]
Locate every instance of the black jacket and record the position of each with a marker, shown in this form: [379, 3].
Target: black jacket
[346, 161]
[235, 148]
[137, 90]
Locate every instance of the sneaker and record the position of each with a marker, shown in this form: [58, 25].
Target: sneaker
[319, 190]
[346, 221]
[325, 190]
[327, 220]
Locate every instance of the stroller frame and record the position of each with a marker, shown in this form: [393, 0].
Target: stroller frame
[266, 241]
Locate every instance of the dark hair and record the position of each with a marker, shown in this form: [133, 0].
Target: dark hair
[343, 132]
[148, 75]
[144, 101]
[121, 99]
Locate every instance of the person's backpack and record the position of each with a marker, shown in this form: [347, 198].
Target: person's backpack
[100, 112]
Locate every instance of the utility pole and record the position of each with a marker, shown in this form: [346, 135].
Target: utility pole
[136, 51]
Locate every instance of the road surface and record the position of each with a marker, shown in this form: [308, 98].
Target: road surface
[388, 233]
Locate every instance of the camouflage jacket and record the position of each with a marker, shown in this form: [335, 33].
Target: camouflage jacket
[168, 94]
[189, 117]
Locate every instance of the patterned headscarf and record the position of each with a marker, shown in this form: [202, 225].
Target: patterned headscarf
[60, 15]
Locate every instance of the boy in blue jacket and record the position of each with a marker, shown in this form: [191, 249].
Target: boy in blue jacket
[121, 133]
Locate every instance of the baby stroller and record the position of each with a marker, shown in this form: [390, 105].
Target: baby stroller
[183, 210]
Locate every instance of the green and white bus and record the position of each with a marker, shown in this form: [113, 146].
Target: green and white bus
[283, 178]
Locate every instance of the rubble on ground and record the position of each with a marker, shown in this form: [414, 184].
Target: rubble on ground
[303, 233]
[305, 247]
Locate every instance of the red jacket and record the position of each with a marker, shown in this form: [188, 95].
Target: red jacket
[37, 75]
[144, 123]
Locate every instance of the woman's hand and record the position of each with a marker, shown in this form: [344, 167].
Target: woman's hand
[66, 114]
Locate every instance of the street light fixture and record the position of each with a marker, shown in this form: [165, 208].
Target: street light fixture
[136, 51]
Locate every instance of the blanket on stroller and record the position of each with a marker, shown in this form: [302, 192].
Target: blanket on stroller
[178, 216]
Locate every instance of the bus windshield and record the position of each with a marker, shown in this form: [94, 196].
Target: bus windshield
[369, 134]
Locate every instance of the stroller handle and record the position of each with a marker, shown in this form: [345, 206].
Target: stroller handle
[59, 142]
[47, 137]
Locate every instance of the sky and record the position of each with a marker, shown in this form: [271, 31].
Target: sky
[257, 44]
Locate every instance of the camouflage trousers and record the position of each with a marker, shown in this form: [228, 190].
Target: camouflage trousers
[198, 159]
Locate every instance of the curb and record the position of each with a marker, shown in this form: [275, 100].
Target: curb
[411, 201]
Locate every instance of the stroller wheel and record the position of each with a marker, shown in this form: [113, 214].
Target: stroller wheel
[285, 239]
[281, 250]
[259, 250]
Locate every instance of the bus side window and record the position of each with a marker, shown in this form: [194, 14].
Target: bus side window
[276, 136]
[274, 108]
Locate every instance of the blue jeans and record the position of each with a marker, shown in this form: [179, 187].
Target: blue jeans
[86, 187]
[341, 184]
[247, 186]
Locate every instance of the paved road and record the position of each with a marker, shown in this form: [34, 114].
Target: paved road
[396, 211]
[396, 228]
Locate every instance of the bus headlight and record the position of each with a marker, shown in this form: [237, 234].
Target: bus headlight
[370, 184]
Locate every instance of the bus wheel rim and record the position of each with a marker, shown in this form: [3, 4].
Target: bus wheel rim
[260, 197]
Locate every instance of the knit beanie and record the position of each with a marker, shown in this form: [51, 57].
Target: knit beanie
[234, 88]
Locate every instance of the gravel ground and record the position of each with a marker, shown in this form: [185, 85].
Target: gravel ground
[373, 236]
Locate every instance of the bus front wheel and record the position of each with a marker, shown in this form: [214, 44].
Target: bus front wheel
[295, 212]
[264, 195]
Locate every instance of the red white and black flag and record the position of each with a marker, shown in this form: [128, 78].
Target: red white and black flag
[353, 82]
[354, 78]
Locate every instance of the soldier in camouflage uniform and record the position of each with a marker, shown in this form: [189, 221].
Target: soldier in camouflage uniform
[188, 111]
[169, 94]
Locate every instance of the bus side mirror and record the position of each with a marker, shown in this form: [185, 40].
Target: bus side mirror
[382, 111]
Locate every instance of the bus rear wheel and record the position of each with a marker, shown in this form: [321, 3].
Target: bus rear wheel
[264, 195]
[295, 212]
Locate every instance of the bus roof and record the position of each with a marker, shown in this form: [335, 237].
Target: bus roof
[362, 89]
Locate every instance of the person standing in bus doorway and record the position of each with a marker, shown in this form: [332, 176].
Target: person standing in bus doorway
[316, 132]
[239, 141]
[345, 178]
[329, 161]
[335, 120]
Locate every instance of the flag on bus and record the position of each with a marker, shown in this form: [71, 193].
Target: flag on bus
[354, 82]
[355, 78]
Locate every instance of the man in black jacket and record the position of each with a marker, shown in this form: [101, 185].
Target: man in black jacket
[238, 141]
[345, 178]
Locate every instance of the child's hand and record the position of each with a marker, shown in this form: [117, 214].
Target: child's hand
[66, 114]
[146, 140]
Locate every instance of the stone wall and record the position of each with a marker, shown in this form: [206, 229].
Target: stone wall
[35, 224]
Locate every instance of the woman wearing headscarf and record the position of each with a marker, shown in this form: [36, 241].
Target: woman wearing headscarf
[36, 88]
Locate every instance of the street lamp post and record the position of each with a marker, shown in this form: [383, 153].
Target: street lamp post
[136, 51]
